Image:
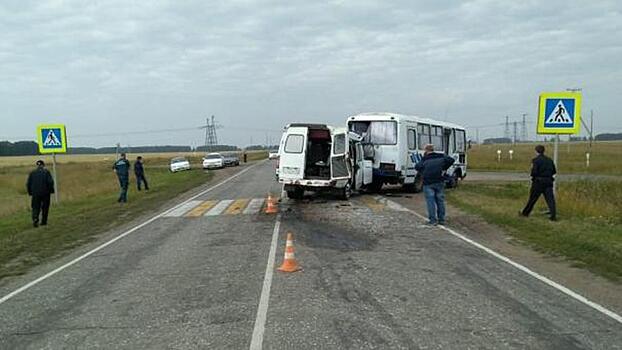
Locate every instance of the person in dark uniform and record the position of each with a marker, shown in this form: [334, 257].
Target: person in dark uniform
[122, 168]
[139, 171]
[40, 186]
[542, 171]
[432, 167]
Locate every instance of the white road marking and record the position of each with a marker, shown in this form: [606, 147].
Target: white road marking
[533, 274]
[183, 209]
[262, 309]
[219, 208]
[95, 250]
[254, 206]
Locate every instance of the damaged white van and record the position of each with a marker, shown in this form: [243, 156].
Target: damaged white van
[317, 157]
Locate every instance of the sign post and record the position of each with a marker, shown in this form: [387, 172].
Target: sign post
[52, 138]
[559, 113]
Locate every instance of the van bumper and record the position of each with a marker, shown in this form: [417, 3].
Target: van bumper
[308, 183]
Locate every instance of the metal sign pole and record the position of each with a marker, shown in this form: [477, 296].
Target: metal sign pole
[54, 177]
[555, 157]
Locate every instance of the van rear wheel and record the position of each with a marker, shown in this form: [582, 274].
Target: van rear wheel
[296, 193]
[346, 192]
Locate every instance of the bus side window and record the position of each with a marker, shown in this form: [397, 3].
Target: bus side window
[424, 135]
[412, 139]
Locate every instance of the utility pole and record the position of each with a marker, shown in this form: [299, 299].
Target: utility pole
[523, 135]
[507, 127]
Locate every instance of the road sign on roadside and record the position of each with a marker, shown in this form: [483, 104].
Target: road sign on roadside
[52, 138]
[559, 113]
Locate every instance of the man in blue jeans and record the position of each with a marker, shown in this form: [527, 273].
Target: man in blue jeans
[432, 168]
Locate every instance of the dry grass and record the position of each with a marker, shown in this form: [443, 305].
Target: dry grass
[589, 231]
[605, 157]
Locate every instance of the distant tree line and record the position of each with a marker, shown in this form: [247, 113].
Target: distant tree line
[27, 148]
[608, 137]
[216, 148]
[261, 147]
[19, 148]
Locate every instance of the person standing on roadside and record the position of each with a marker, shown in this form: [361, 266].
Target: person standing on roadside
[40, 186]
[432, 168]
[122, 168]
[139, 171]
[542, 180]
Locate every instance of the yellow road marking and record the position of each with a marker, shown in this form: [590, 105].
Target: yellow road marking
[237, 206]
[372, 203]
[201, 208]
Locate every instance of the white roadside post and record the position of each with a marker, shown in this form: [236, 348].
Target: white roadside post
[498, 156]
[511, 152]
[587, 159]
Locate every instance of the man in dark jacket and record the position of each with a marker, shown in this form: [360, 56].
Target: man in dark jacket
[542, 171]
[39, 186]
[122, 168]
[432, 168]
[139, 171]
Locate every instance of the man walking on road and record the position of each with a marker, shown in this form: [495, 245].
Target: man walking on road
[432, 168]
[542, 179]
[122, 168]
[139, 171]
[40, 186]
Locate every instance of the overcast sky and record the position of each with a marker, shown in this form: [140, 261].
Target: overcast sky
[117, 67]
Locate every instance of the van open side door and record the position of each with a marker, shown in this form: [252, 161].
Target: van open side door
[339, 168]
[293, 154]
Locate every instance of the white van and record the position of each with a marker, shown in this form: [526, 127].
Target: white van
[395, 143]
[316, 157]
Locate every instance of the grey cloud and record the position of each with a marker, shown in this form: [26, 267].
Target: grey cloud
[159, 64]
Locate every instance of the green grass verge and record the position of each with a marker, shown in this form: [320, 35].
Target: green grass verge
[74, 222]
[589, 232]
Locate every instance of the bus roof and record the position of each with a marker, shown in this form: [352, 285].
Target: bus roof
[394, 116]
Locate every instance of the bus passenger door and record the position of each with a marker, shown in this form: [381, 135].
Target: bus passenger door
[413, 156]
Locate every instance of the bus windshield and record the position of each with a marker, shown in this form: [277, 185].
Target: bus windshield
[376, 132]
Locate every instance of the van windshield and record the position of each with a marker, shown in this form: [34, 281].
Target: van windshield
[376, 132]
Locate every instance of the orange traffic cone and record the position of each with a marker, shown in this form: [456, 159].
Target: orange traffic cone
[271, 206]
[289, 263]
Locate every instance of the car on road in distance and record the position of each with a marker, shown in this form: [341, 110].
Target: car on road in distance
[231, 160]
[273, 154]
[179, 164]
[213, 160]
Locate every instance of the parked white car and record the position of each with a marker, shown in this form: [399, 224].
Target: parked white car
[179, 164]
[273, 154]
[213, 160]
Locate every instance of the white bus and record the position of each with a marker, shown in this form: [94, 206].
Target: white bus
[394, 142]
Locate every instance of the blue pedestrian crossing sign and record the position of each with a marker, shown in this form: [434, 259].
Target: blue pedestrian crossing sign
[559, 113]
[52, 138]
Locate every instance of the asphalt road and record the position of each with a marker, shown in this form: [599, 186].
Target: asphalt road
[374, 277]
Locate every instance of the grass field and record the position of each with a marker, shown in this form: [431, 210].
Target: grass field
[88, 193]
[589, 232]
[604, 157]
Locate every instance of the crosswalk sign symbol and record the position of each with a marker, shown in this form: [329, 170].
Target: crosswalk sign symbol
[559, 113]
[52, 138]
